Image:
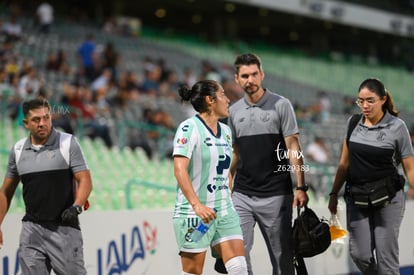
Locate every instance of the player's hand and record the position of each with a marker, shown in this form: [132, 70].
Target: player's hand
[205, 213]
[301, 198]
[333, 203]
[70, 216]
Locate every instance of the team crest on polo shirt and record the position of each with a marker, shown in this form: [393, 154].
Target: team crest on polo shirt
[51, 154]
[381, 136]
[265, 116]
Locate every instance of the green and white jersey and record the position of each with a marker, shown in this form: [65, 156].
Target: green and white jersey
[210, 157]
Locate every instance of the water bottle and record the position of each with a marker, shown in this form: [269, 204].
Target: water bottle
[195, 234]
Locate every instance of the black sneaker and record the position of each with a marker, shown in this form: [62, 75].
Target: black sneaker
[219, 266]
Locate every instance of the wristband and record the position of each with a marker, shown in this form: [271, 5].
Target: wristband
[303, 187]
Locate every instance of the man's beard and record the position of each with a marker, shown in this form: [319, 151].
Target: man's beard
[251, 90]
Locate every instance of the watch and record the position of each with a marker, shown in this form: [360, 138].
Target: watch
[78, 208]
[302, 187]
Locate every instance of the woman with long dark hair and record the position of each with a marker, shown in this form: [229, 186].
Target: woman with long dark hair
[374, 154]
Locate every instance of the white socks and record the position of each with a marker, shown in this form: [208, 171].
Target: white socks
[237, 266]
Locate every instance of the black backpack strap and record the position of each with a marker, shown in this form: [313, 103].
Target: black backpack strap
[300, 266]
[298, 261]
[352, 124]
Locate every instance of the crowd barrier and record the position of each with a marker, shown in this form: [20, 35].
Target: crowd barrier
[142, 242]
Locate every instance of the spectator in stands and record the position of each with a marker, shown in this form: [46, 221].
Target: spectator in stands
[86, 55]
[57, 62]
[31, 85]
[6, 51]
[164, 70]
[111, 26]
[190, 78]
[303, 113]
[14, 100]
[377, 151]
[325, 103]
[110, 60]
[129, 80]
[318, 151]
[102, 83]
[209, 72]
[349, 105]
[26, 67]
[12, 29]
[162, 127]
[157, 118]
[322, 109]
[62, 62]
[152, 76]
[12, 66]
[170, 85]
[79, 99]
[125, 109]
[202, 157]
[6, 93]
[100, 90]
[45, 17]
[3, 80]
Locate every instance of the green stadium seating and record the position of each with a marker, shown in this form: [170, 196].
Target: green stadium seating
[127, 179]
[112, 171]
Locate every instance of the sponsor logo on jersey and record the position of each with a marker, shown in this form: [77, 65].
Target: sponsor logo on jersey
[211, 188]
[207, 141]
[182, 140]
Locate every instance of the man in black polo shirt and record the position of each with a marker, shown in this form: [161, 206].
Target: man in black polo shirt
[56, 184]
[266, 151]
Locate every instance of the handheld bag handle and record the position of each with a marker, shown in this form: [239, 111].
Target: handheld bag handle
[298, 260]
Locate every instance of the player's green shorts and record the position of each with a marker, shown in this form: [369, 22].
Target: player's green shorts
[224, 228]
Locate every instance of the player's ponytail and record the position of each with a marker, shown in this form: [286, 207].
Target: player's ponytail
[196, 95]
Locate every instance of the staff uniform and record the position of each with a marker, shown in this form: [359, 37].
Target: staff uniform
[46, 173]
[263, 185]
[374, 153]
